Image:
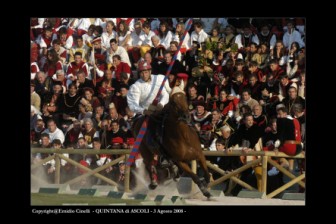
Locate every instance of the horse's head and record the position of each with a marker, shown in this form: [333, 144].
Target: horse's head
[178, 103]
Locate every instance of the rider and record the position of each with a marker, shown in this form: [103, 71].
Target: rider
[142, 93]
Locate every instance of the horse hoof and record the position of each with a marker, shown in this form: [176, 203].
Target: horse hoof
[207, 194]
[153, 186]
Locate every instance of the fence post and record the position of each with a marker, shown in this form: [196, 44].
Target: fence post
[127, 176]
[264, 174]
[57, 169]
[194, 170]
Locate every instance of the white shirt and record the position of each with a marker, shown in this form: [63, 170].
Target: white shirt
[148, 38]
[186, 40]
[165, 41]
[295, 36]
[83, 24]
[121, 39]
[239, 37]
[57, 134]
[107, 37]
[199, 37]
[120, 51]
[137, 39]
[142, 94]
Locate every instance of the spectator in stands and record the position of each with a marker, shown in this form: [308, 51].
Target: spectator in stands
[61, 51]
[51, 103]
[279, 53]
[69, 103]
[292, 35]
[53, 131]
[245, 100]
[292, 99]
[259, 118]
[80, 47]
[89, 98]
[198, 34]
[116, 137]
[177, 67]
[108, 35]
[124, 35]
[43, 84]
[83, 82]
[35, 134]
[53, 63]
[114, 49]
[276, 70]
[165, 34]
[35, 99]
[253, 54]
[98, 116]
[75, 67]
[89, 132]
[118, 67]
[265, 36]
[254, 86]
[289, 135]
[72, 135]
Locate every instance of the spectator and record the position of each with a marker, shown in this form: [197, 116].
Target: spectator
[53, 131]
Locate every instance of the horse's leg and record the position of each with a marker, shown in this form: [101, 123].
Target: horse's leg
[204, 167]
[150, 167]
[202, 186]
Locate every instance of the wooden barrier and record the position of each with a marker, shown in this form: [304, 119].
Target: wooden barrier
[58, 154]
[264, 158]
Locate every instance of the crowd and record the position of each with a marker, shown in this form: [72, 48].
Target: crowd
[244, 79]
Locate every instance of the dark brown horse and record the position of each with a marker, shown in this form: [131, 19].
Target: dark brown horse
[181, 143]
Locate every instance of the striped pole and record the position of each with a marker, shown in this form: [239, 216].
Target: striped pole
[143, 129]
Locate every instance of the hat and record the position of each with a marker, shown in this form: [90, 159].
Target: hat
[143, 65]
[121, 162]
[183, 76]
[97, 39]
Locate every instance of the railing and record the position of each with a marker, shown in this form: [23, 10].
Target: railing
[263, 160]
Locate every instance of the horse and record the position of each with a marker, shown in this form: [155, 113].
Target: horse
[180, 142]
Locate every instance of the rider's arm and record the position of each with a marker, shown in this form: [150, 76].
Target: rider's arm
[133, 99]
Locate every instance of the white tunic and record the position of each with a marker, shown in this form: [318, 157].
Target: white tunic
[142, 94]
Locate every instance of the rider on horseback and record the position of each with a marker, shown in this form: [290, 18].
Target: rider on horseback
[141, 95]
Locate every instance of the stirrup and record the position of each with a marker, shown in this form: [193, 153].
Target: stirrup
[164, 163]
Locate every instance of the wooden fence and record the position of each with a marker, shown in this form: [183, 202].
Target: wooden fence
[263, 160]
